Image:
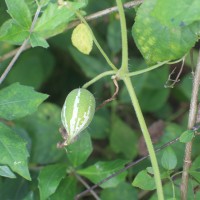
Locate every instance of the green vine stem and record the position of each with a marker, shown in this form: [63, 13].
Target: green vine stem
[112, 72]
[95, 41]
[147, 69]
[173, 188]
[82, 19]
[107, 73]
[147, 137]
[127, 81]
[124, 66]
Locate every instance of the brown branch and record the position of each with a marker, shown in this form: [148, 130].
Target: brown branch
[113, 96]
[176, 80]
[20, 49]
[191, 123]
[86, 185]
[131, 164]
[105, 12]
[96, 15]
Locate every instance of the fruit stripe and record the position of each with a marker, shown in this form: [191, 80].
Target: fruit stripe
[77, 124]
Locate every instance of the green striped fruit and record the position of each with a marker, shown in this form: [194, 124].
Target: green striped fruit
[77, 112]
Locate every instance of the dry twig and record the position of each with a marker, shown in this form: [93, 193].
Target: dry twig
[191, 123]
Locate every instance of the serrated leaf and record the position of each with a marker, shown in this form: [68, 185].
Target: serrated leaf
[169, 160]
[171, 198]
[153, 90]
[32, 5]
[13, 151]
[186, 136]
[144, 181]
[80, 150]
[123, 138]
[70, 183]
[43, 128]
[54, 19]
[195, 175]
[12, 32]
[122, 191]
[169, 193]
[114, 36]
[101, 170]
[41, 64]
[36, 41]
[157, 42]
[100, 124]
[182, 13]
[49, 179]
[195, 164]
[20, 12]
[29, 196]
[84, 61]
[15, 189]
[84, 2]
[6, 172]
[44, 2]
[17, 101]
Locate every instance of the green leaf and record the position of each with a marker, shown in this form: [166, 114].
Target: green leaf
[114, 36]
[43, 128]
[157, 42]
[168, 192]
[20, 12]
[182, 13]
[185, 87]
[49, 179]
[36, 41]
[54, 19]
[171, 132]
[3, 13]
[195, 164]
[13, 151]
[6, 172]
[80, 150]
[14, 189]
[195, 175]
[13, 33]
[32, 5]
[186, 136]
[101, 170]
[91, 66]
[29, 196]
[153, 95]
[100, 124]
[44, 2]
[172, 198]
[169, 160]
[123, 138]
[71, 184]
[122, 191]
[18, 101]
[144, 181]
[41, 64]
[84, 2]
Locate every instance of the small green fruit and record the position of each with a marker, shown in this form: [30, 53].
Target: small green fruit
[82, 39]
[77, 112]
